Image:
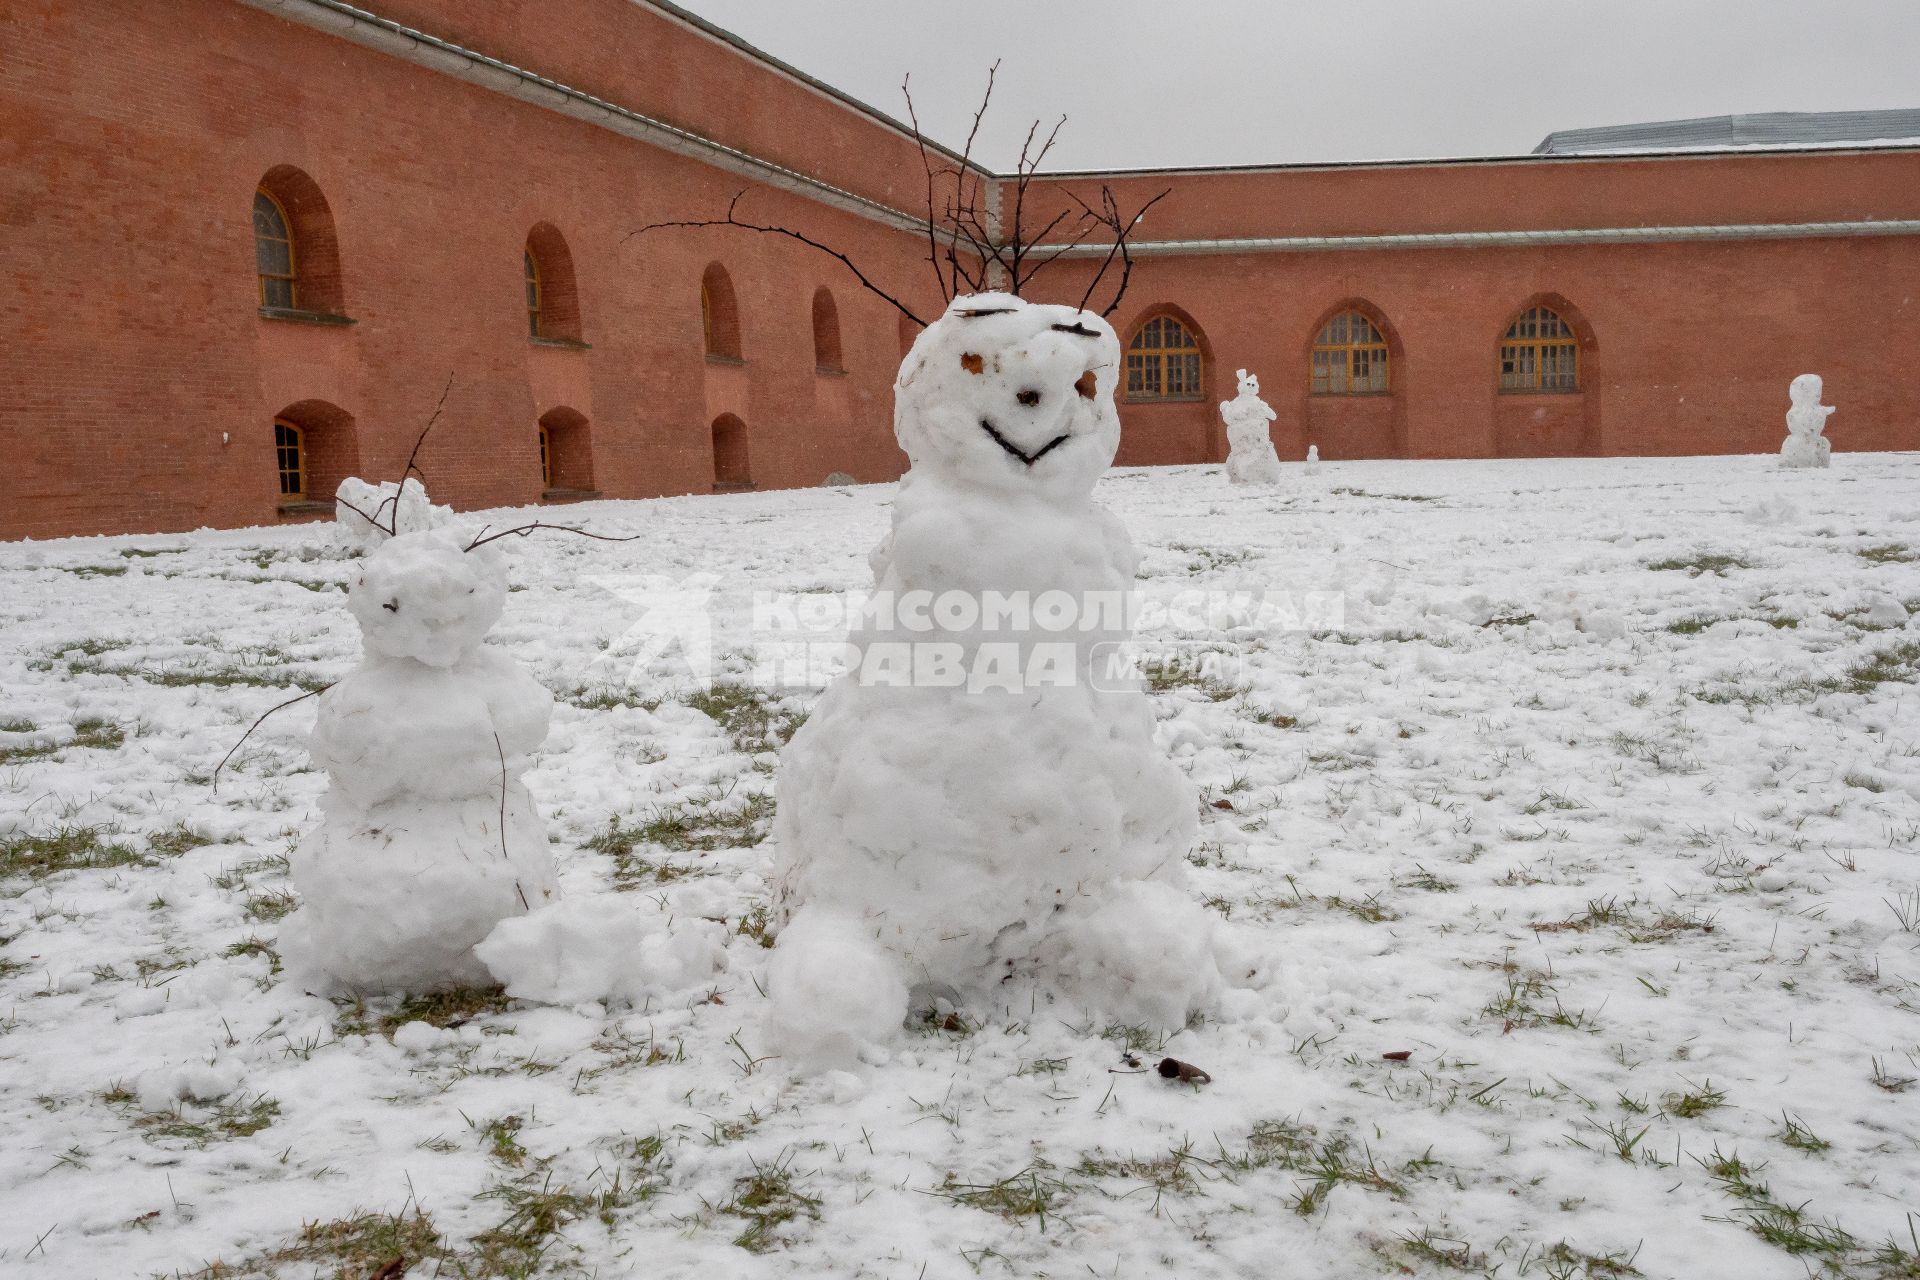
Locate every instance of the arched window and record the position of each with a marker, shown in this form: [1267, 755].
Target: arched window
[533, 293]
[295, 252]
[273, 253]
[1539, 353]
[290, 454]
[553, 303]
[1163, 362]
[719, 315]
[730, 469]
[1349, 357]
[826, 332]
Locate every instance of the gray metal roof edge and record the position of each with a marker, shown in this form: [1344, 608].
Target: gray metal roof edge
[754, 51]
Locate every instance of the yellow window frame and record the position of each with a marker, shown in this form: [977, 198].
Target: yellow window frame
[533, 292]
[290, 459]
[292, 273]
[1164, 352]
[1539, 354]
[1347, 352]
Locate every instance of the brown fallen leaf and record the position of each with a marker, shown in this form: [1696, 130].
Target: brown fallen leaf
[392, 1269]
[1398, 1055]
[1224, 804]
[1174, 1069]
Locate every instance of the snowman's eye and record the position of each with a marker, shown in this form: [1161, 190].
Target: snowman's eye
[972, 363]
[1028, 397]
[1084, 385]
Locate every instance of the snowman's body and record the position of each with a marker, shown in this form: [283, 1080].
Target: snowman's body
[1250, 455]
[1805, 446]
[428, 838]
[949, 837]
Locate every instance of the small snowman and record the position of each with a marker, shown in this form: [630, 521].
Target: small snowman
[427, 838]
[985, 842]
[1250, 455]
[1806, 419]
[1313, 458]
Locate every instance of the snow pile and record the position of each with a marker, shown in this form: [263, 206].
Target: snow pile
[955, 839]
[1804, 445]
[362, 512]
[424, 743]
[613, 948]
[1250, 455]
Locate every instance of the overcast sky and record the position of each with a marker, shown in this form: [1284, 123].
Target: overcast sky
[1188, 82]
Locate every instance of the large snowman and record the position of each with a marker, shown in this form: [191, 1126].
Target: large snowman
[998, 840]
[428, 838]
[1250, 455]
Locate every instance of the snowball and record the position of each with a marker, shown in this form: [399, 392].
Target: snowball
[1884, 611]
[141, 1002]
[610, 948]
[1601, 624]
[419, 1037]
[833, 990]
[168, 1087]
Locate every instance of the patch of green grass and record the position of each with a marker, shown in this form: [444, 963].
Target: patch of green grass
[1562, 1261]
[1702, 562]
[251, 946]
[694, 826]
[1801, 1138]
[148, 553]
[97, 570]
[755, 721]
[176, 840]
[1170, 674]
[15, 724]
[768, 1200]
[501, 1140]
[270, 906]
[1695, 625]
[66, 848]
[1888, 553]
[27, 751]
[1368, 909]
[605, 697]
[1784, 1226]
[444, 1009]
[1523, 1004]
[1694, 1102]
[97, 734]
[235, 1116]
[1390, 497]
[356, 1247]
[1897, 664]
[1033, 1192]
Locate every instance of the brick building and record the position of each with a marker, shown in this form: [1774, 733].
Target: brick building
[245, 245]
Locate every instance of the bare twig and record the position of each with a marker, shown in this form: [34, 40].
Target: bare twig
[255, 725]
[393, 520]
[482, 538]
[732, 221]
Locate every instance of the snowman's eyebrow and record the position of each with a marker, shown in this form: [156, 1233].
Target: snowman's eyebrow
[1075, 327]
[997, 311]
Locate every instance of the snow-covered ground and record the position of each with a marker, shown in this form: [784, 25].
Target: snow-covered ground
[1600, 813]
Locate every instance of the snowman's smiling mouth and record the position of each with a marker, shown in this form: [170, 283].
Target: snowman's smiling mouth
[1017, 451]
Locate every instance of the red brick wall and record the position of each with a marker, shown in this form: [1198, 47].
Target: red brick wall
[140, 381]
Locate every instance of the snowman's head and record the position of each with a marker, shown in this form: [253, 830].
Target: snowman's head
[1249, 382]
[1805, 389]
[423, 596]
[1011, 395]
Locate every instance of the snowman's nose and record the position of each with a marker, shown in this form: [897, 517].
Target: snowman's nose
[1028, 397]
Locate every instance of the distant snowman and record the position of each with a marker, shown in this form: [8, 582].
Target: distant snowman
[1250, 455]
[427, 838]
[978, 842]
[1806, 419]
[1313, 458]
